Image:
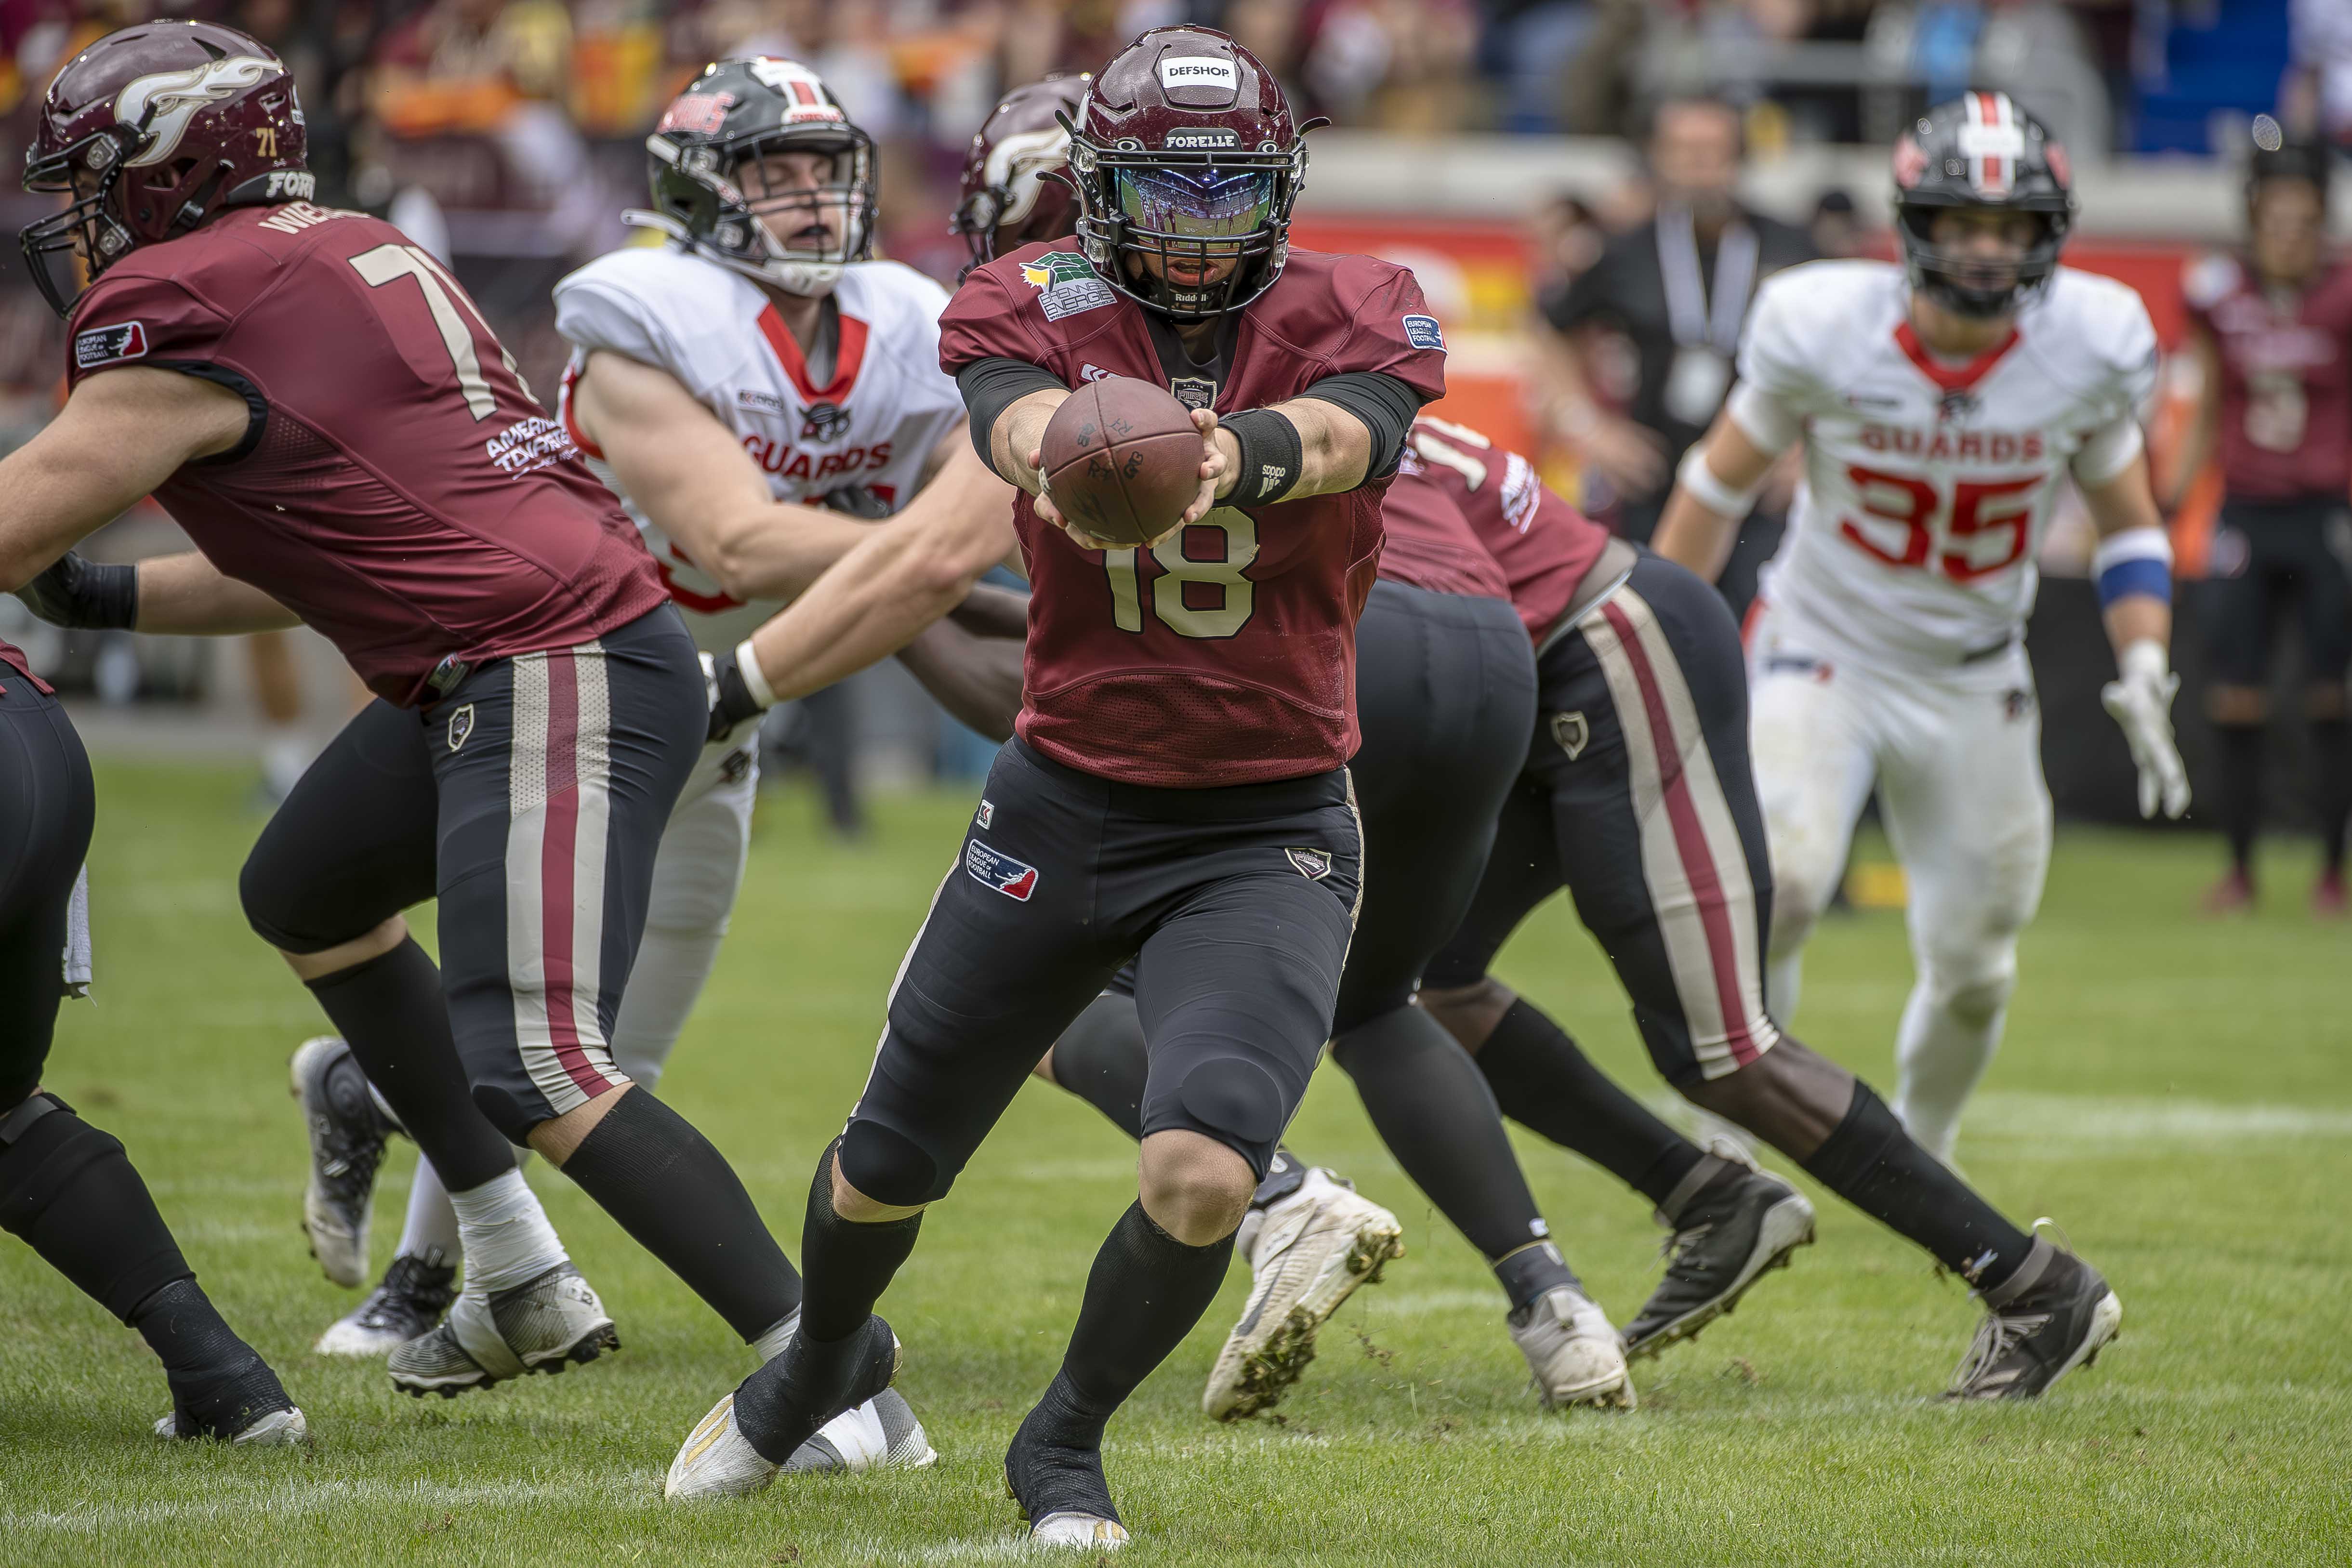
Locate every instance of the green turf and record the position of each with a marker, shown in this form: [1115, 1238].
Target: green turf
[2179, 1093]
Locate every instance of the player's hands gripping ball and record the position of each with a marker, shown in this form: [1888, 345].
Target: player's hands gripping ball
[1123, 463]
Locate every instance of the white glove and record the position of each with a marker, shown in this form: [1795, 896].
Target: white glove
[2141, 701]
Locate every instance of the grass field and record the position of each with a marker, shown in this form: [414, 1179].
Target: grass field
[2178, 1093]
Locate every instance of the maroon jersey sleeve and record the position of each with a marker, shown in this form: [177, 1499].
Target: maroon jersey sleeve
[401, 489]
[984, 321]
[1543, 545]
[131, 319]
[1358, 314]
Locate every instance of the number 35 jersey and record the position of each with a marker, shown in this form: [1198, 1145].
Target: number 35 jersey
[397, 486]
[1227, 655]
[1927, 485]
[873, 425]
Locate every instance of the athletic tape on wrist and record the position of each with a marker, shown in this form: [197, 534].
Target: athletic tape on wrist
[1696, 478]
[1270, 456]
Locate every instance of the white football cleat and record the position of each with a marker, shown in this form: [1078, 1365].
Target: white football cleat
[1309, 1251]
[541, 1325]
[347, 1138]
[1080, 1529]
[413, 1294]
[717, 1460]
[1574, 1350]
[278, 1430]
[881, 1434]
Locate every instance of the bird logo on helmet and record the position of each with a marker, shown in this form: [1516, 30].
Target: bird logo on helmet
[151, 131]
[1012, 190]
[1979, 152]
[719, 190]
[1187, 162]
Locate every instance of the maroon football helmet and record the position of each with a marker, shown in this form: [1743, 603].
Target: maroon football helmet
[1010, 196]
[1186, 156]
[152, 130]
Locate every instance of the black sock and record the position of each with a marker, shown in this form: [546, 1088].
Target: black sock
[1872, 1163]
[850, 1265]
[1143, 1295]
[1434, 1110]
[1543, 1082]
[1527, 1274]
[2238, 789]
[67, 1188]
[219, 1382]
[1102, 1061]
[646, 1166]
[2331, 758]
[391, 1012]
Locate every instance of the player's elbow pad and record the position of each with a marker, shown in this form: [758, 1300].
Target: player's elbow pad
[2136, 562]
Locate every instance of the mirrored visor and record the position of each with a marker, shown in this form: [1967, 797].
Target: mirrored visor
[1197, 203]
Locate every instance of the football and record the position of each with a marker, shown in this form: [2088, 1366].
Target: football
[1122, 459]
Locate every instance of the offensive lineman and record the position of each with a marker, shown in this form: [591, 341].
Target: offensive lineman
[540, 707]
[1943, 403]
[1177, 792]
[728, 385]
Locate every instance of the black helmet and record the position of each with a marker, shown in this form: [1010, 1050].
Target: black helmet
[1980, 150]
[2307, 161]
[709, 193]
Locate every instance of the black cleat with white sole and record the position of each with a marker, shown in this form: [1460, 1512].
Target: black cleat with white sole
[2052, 1316]
[1725, 1238]
[244, 1405]
[409, 1301]
[347, 1140]
[1054, 1472]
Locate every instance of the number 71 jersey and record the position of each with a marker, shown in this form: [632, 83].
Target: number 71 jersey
[397, 487]
[1227, 655]
[1928, 485]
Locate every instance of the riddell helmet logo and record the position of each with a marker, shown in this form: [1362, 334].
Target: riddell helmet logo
[1199, 70]
[162, 104]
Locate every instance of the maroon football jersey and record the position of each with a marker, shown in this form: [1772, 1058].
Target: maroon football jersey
[403, 494]
[1227, 655]
[2286, 380]
[1543, 545]
[1430, 544]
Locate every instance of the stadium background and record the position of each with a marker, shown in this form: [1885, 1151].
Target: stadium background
[1481, 142]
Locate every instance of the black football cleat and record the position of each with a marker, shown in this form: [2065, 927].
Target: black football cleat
[1058, 1481]
[409, 1301]
[2042, 1323]
[1724, 1240]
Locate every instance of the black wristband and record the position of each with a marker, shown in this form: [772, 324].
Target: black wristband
[84, 594]
[1271, 454]
[732, 703]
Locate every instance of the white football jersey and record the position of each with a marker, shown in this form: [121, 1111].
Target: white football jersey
[875, 424]
[1928, 488]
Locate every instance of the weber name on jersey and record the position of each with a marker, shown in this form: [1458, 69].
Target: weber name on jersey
[873, 424]
[1928, 486]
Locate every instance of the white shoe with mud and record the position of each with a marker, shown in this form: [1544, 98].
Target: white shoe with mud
[1573, 1351]
[1308, 1254]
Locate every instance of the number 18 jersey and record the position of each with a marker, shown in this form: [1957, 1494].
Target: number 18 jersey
[1227, 655]
[1928, 485]
[398, 486]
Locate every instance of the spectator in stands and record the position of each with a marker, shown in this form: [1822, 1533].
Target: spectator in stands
[1836, 228]
[1678, 289]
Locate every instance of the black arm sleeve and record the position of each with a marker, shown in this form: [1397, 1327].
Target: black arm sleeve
[1387, 406]
[991, 386]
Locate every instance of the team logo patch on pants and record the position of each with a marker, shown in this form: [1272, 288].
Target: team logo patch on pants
[1572, 732]
[1313, 865]
[461, 724]
[1008, 876]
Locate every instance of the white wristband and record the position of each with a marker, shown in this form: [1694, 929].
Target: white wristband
[755, 680]
[1699, 482]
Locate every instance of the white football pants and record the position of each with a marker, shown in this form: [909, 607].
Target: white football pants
[698, 871]
[1956, 754]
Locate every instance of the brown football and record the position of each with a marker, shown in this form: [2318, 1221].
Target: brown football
[1122, 459]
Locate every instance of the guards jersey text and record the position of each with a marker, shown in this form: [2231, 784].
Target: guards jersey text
[875, 423]
[1227, 655]
[1928, 488]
